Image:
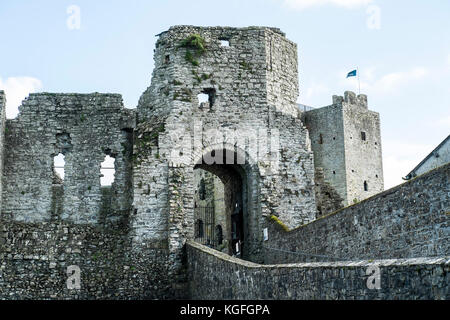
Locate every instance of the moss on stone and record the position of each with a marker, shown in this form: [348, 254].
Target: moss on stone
[194, 42]
[196, 46]
[278, 222]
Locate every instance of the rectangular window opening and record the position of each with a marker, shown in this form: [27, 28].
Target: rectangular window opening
[224, 42]
[363, 136]
[107, 171]
[58, 167]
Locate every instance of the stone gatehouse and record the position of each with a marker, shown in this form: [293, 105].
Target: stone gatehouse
[222, 107]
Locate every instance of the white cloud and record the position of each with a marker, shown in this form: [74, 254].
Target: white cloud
[399, 158]
[17, 89]
[387, 83]
[303, 4]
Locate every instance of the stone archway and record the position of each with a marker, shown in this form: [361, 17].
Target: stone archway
[241, 193]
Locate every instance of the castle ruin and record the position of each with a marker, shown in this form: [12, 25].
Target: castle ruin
[220, 116]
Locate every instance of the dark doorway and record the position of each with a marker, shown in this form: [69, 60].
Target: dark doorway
[231, 235]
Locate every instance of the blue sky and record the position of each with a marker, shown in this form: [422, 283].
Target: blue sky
[402, 49]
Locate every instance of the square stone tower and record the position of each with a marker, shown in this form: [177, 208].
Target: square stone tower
[346, 142]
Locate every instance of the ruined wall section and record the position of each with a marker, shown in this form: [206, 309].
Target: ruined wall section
[83, 127]
[2, 139]
[363, 157]
[327, 198]
[150, 167]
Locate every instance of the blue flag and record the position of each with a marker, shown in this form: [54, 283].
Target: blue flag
[351, 74]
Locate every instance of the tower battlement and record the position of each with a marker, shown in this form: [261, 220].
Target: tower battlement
[351, 98]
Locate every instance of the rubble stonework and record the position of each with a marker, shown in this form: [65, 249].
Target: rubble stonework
[85, 128]
[229, 110]
[246, 107]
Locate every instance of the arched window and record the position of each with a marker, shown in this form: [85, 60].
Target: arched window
[107, 171]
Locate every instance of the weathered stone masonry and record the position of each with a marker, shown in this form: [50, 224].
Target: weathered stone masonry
[402, 279]
[346, 141]
[85, 128]
[129, 240]
[407, 221]
[244, 99]
[2, 140]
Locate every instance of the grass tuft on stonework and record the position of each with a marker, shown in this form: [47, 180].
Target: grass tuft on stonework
[278, 221]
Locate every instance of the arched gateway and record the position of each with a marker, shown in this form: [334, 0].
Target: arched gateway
[240, 177]
[248, 133]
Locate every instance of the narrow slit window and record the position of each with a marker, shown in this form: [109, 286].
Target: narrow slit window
[59, 164]
[363, 136]
[320, 139]
[107, 171]
[366, 186]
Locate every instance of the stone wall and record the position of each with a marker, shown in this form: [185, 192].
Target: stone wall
[408, 221]
[230, 278]
[34, 261]
[83, 127]
[281, 71]
[327, 198]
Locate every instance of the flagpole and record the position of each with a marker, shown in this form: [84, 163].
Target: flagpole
[359, 83]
